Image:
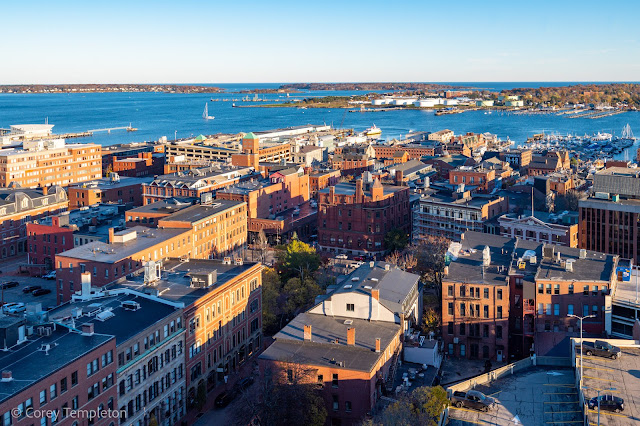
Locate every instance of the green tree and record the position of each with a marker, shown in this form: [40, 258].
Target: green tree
[430, 321]
[299, 294]
[396, 239]
[271, 288]
[423, 406]
[297, 259]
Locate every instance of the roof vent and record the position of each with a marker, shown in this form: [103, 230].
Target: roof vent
[130, 305]
[387, 267]
[568, 266]
[583, 253]
[105, 315]
[372, 264]
[7, 376]
[348, 322]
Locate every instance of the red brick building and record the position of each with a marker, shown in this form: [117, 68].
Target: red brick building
[479, 178]
[45, 241]
[20, 206]
[415, 152]
[114, 189]
[59, 371]
[145, 164]
[354, 219]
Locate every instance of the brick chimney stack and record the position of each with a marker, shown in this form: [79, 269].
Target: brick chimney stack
[45, 190]
[351, 336]
[377, 344]
[307, 333]
[87, 329]
[7, 376]
[359, 191]
[375, 293]
[111, 232]
[399, 177]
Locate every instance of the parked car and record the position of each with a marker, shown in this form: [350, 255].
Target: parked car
[473, 399]
[50, 276]
[607, 402]
[342, 256]
[31, 288]
[244, 383]
[10, 284]
[224, 399]
[7, 306]
[600, 348]
[13, 308]
[41, 291]
[358, 258]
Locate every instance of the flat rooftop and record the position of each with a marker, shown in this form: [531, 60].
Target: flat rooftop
[322, 349]
[199, 212]
[468, 267]
[124, 324]
[29, 365]
[108, 183]
[170, 205]
[111, 253]
[246, 186]
[347, 188]
[594, 267]
[623, 375]
[175, 284]
[476, 201]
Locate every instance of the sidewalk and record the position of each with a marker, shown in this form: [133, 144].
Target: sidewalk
[245, 371]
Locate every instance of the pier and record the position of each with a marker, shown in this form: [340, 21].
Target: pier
[108, 130]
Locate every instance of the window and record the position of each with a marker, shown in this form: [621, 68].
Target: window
[548, 308]
[585, 310]
[570, 288]
[556, 309]
[450, 308]
[450, 348]
[499, 313]
[485, 330]
[450, 290]
[74, 378]
[594, 310]
[43, 397]
[336, 403]
[463, 291]
[462, 309]
[350, 307]
[499, 294]
[463, 350]
[450, 328]
[540, 289]
[53, 390]
[486, 293]
[486, 311]
[463, 329]
[290, 375]
[320, 380]
[570, 309]
[63, 385]
[334, 381]
[585, 290]
[540, 309]
[556, 289]
[548, 288]
[347, 406]
[594, 290]
[498, 332]
[92, 367]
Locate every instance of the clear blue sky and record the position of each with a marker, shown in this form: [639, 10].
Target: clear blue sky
[325, 41]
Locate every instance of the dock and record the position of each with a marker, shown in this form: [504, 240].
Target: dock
[110, 129]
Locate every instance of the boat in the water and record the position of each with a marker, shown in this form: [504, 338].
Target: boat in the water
[205, 114]
[373, 131]
[627, 134]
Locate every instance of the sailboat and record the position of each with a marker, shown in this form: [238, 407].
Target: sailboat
[205, 114]
[627, 133]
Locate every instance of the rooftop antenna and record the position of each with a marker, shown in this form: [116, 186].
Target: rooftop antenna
[532, 215]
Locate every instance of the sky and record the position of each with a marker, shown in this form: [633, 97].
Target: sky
[236, 41]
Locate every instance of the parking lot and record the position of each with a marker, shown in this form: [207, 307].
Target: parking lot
[623, 375]
[15, 294]
[532, 397]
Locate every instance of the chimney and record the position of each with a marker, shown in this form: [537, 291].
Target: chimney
[45, 190]
[359, 191]
[332, 194]
[307, 333]
[377, 344]
[375, 293]
[111, 231]
[351, 336]
[7, 376]
[399, 177]
[372, 264]
[462, 237]
[87, 329]
[387, 267]
[446, 271]
[85, 279]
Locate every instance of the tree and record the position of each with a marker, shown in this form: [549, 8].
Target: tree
[297, 258]
[430, 321]
[271, 287]
[299, 294]
[429, 255]
[423, 406]
[262, 243]
[286, 394]
[396, 239]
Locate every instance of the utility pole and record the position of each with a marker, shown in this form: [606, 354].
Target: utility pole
[581, 318]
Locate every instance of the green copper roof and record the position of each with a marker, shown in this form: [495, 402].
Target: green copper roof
[250, 135]
[201, 137]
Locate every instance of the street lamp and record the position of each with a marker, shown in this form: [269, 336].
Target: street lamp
[581, 318]
[598, 399]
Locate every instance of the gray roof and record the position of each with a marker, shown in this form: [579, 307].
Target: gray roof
[322, 349]
[170, 205]
[395, 285]
[246, 186]
[112, 253]
[175, 284]
[108, 183]
[468, 268]
[11, 198]
[594, 267]
[29, 365]
[410, 167]
[347, 188]
[198, 212]
[125, 324]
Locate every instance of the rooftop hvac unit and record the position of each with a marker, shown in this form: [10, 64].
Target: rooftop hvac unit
[583, 253]
[130, 305]
[226, 261]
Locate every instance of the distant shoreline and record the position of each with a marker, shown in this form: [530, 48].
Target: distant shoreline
[106, 88]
